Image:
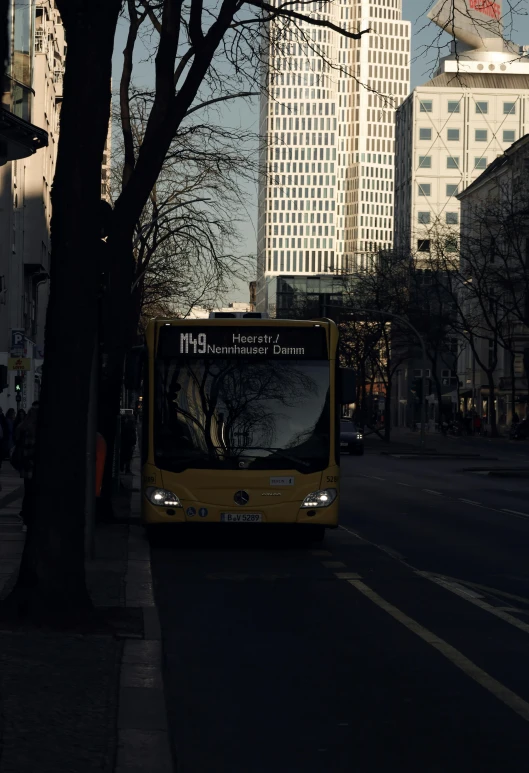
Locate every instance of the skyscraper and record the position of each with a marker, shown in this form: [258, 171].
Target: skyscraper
[328, 126]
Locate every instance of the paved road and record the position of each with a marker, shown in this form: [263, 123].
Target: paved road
[400, 644]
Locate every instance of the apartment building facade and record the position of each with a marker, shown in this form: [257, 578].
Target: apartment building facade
[448, 132]
[452, 127]
[495, 252]
[25, 205]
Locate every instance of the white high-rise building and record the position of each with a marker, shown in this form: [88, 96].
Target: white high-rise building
[328, 127]
[451, 128]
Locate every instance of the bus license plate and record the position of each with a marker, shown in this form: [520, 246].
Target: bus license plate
[241, 517]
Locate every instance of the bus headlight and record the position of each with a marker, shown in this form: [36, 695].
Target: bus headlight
[162, 497]
[322, 498]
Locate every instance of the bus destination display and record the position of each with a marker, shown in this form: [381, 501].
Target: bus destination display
[266, 342]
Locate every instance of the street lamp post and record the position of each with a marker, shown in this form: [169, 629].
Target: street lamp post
[350, 309]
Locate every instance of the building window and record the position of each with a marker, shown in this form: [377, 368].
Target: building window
[423, 245]
[451, 190]
[424, 218]
[452, 218]
[482, 108]
[453, 107]
[509, 136]
[425, 134]
[424, 189]
[425, 162]
[481, 135]
[426, 105]
[509, 108]
[480, 163]
[452, 135]
[451, 244]
[452, 162]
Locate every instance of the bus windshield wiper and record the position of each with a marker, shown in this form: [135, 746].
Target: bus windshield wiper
[278, 451]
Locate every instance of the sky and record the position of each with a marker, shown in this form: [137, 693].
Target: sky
[243, 115]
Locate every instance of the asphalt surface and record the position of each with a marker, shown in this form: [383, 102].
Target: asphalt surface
[401, 643]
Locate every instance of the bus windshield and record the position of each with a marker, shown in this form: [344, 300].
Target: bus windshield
[217, 413]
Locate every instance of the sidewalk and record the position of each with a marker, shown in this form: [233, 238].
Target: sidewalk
[85, 703]
[407, 441]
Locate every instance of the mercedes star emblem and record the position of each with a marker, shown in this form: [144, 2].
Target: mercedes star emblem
[241, 498]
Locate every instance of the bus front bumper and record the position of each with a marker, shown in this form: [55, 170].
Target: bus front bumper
[202, 512]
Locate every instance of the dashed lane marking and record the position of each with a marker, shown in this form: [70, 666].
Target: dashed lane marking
[408, 485]
[431, 491]
[454, 656]
[470, 502]
[334, 564]
[514, 512]
[347, 576]
[477, 600]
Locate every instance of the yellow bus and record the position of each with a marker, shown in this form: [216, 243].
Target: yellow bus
[241, 422]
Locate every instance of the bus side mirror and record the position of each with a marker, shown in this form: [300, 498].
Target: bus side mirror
[347, 386]
[133, 368]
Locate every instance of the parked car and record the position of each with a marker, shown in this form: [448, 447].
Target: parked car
[351, 437]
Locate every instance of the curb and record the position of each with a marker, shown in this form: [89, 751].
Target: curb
[143, 740]
[433, 455]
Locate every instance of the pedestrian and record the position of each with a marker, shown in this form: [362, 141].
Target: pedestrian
[20, 417]
[23, 459]
[477, 424]
[10, 419]
[128, 442]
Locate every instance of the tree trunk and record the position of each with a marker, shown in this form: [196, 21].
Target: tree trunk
[439, 390]
[363, 397]
[513, 388]
[51, 584]
[117, 313]
[492, 399]
[387, 411]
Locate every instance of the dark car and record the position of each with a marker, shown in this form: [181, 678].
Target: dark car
[351, 437]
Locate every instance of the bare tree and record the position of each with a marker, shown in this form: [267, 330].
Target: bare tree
[381, 296]
[202, 55]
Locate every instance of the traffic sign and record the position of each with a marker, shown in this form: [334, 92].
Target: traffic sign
[18, 342]
[19, 363]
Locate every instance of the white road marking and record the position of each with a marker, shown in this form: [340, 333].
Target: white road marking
[470, 502]
[347, 576]
[515, 512]
[371, 477]
[392, 552]
[431, 491]
[334, 565]
[497, 592]
[408, 485]
[477, 601]
[481, 677]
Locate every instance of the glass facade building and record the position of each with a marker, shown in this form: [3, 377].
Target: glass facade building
[328, 131]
